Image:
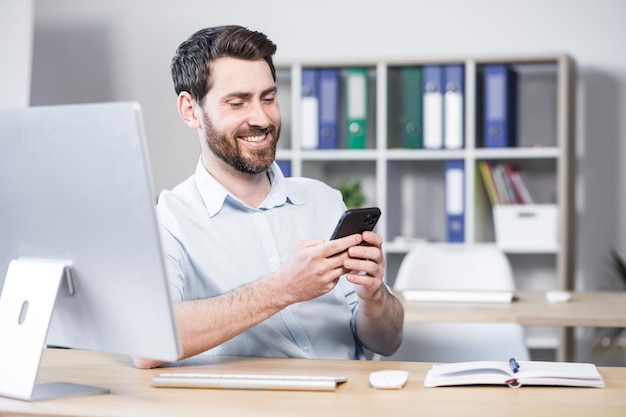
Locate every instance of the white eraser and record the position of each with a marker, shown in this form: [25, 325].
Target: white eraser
[557, 296]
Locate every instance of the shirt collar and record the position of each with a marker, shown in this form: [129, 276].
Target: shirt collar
[215, 195]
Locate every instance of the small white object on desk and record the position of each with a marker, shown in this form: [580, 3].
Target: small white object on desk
[557, 296]
[388, 379]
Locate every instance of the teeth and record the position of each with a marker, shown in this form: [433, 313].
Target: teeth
[252, 138]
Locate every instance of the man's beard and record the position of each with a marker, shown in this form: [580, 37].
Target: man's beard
[228, 150]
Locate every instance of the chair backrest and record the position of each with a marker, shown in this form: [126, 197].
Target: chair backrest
[458, 267]
[455, 267]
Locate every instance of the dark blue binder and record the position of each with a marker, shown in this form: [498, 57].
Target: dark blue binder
[285, 167]
[329, 108]
[310, 108]
[500, 106]
[433, 107]
[455, 201]
[454, 120]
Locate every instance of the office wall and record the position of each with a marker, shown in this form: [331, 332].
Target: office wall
[87, 51]
[17, 20]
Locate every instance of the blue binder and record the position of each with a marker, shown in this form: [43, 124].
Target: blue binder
[310, 108]
[500, 106]
[455, 201]
[328, 89]
[433, 107]
[285, 167]
[453, 107]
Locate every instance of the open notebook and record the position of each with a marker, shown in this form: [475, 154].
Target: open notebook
[514, 374]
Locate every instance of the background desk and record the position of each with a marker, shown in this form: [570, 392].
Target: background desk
[132, 395]
[530, 308]
[595, 309]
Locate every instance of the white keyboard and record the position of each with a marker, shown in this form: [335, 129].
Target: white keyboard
[459, 296]
[248, 381]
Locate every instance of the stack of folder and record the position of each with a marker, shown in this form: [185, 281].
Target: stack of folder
[503, 184]
[432, 106]
[443, 106]
[320, 102]
[320, 108]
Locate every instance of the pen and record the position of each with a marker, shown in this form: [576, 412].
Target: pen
[514, 365]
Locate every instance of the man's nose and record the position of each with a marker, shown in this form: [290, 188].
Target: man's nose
[258, 115]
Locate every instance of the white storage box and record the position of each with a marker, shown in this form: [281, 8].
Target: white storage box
[526, 226]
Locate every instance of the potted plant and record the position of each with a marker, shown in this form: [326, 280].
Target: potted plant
[351, 192]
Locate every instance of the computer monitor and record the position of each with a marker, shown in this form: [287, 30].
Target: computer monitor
[81, 264]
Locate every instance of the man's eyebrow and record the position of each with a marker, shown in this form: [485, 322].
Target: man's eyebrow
[237, 94]
[271, 90]
[247, 95]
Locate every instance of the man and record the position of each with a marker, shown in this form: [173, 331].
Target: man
[249, 269]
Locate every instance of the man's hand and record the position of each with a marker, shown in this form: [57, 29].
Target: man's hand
[314, 268]
[381, 316]
[366, 264]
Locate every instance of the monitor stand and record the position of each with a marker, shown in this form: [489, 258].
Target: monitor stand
[26, 305]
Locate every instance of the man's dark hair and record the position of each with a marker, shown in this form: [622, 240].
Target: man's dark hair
[191, 64]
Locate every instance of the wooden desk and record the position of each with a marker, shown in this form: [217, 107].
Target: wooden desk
[595, 309]
[132, 395]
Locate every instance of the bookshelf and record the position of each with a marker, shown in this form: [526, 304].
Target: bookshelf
[409, 184]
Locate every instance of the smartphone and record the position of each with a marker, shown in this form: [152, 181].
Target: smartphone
[355, 221]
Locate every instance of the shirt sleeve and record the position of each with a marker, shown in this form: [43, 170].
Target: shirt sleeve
[173, 254]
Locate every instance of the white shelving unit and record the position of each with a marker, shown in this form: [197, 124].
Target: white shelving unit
[408, 184]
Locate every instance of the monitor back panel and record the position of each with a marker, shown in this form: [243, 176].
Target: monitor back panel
[76, 186]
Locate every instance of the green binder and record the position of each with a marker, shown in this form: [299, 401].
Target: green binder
[356, 107]
[412, 90]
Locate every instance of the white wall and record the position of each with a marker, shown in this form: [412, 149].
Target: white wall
[119, 49]
[17, 20]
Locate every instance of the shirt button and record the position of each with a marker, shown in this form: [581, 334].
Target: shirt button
[306, 348]
[273, 259]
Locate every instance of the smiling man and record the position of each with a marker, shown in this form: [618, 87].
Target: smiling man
[249, 269]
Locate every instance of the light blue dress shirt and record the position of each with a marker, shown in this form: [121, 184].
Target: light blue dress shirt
[214, 242]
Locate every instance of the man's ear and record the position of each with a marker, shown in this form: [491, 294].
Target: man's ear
[187, 109]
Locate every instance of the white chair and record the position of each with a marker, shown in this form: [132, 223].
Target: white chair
[458, 267]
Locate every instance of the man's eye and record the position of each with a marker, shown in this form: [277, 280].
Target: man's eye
[271, 99]
[236, 104]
